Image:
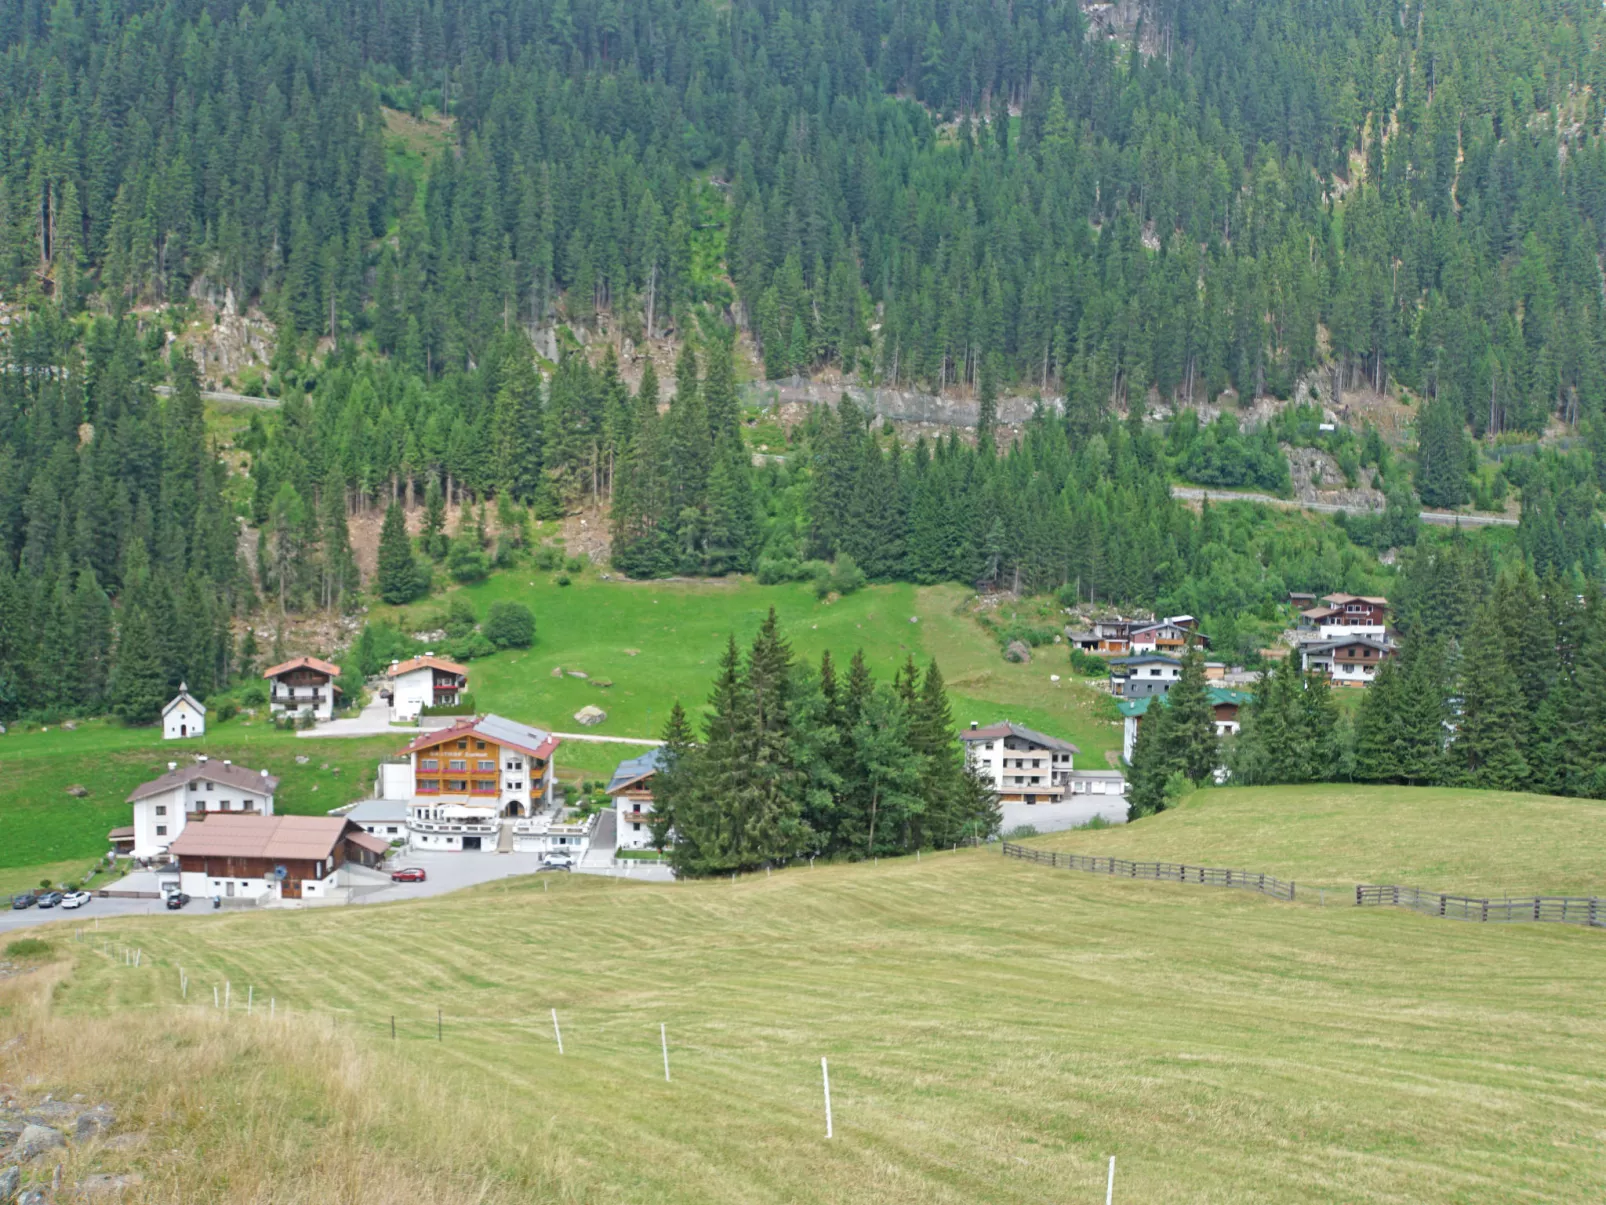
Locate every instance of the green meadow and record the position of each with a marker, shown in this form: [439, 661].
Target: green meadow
[1483, 843]
[995, 1032]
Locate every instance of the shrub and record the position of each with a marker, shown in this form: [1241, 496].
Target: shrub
[562, 579]
[1020, 831]
[843, 576]
[1087, 664]
[548, 557]
[510, 625]
[28, 947]
[460, 619]
[227, 711]
[466, 562]
[576, 564]
[465, 705]
[471, 646]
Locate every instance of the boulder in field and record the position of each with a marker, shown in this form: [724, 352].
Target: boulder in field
[590, 715]
[37, 1140]
[78, 790]
[1018, 652]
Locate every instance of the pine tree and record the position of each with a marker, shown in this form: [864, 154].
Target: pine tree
[1191, 730]
[139, 682]
[674, 777]
[433, 536]
[1492, 728]
[398, 576]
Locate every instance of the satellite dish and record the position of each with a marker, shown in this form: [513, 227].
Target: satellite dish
[280, 873]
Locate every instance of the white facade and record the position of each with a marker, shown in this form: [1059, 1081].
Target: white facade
[160, 818]
[1019, 763]
[545, 835]
[632, 827]
[183, 718]
[412, 692]
[204, 886]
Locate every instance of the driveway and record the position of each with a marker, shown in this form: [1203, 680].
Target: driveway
[1056, 817]
[373, 720]
[82, 918]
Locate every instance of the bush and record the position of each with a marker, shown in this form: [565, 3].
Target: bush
[471, 646]
[466, 562]
[459, 619]
[510, 625]
[28, 947]
[227, 711]
[576, 564]
[1021, 831]
[465, 705]
[562, 579]
[841, 577]
[253, 694]
[548, 557]
[1087, 665]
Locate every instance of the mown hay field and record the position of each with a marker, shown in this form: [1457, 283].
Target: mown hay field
[1481, 843]
[996, 1030]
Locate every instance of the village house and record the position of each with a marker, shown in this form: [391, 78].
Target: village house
[1225, 703]
[272, 857]
[427, 681]
[1169, 637]
[1340, 615]
[1348, 660]
[184, 716]
[631, 790]
[1141, 676]
[189, 794]
[1023, 766]
[302, 687]
[1098, 782]
[1106, 637]
[460, 782]
[385, 818]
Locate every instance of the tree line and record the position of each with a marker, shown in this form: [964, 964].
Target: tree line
[794, 762]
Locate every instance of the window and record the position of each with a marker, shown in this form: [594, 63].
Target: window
[319, 875]
[457, 784]
[161, 809]
[484, 766]
[211, 786]
[485, 786]
[457, 764]
[462, 744]
[635, 828]
[195, 786]
[429, 763]
[479, 744]
[161, 830]
[426, 785]
[515, 764]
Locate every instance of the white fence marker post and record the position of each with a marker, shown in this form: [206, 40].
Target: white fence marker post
[663, 1036]
[226, 987]
[825, 1077]
[558, 1033]
[250, 991]
[270, 1008]
[214, 996]
[1109, 1188]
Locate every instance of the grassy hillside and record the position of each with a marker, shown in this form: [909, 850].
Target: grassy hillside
[1479, 842]
[996, 1030]
[661, 641]
[41, 823]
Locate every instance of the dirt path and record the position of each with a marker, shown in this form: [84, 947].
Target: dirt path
[1193, 493]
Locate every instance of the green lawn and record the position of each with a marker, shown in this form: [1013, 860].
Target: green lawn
[1476, 842]
[996, 1030]
[41, 824]
[661, 641]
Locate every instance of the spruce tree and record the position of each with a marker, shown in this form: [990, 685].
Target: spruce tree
[397, 578]
[674, 777]
[433, 536]
[1193, 747]
[1492, 728]
[139, 681]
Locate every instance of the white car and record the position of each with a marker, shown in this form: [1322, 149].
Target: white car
[75, 899]
[557, 862]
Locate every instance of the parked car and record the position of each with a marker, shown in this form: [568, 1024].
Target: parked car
[50, 899]
[557, 862]
[176, 900]
[76, 899]
[408, 874]
[26, 900]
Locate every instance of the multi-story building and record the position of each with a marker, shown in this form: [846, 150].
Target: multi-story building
[427, 681]
[465, 779]
[1141, 676]
[188, 794]
[1347, 660]
[631, 790]
[1341, 615]
[1023, 766]
[1225, 703]
[303, 686]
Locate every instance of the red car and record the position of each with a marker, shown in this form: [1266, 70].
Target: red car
[408, 874]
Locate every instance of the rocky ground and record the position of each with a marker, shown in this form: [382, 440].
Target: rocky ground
[37, 1135]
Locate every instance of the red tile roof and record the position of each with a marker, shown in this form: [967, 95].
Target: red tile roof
[323, 667]
[428, 660]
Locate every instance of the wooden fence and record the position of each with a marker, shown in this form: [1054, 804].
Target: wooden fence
[1173, 872]
[1559, 909]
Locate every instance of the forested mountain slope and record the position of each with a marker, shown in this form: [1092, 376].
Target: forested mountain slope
[910, 193]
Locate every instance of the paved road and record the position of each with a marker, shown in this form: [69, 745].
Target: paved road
[1056, 817]
[223, 395]
[1193, 493]
[83, 918]
[372, 720]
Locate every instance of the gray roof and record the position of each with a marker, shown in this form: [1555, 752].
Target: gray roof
[1009, 728]
[1105, 774]
[184, 696]
[636, 767]
[378, 811]
[512, 732]
[1326, 646]
[238, 777]
[1145, 659]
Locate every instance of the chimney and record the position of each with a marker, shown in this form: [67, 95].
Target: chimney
[227, 762]
[171, 766]
[264, 774]
[974, 725]
[201, 758]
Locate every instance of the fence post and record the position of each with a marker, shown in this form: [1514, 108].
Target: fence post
[1290, 889]
[1592, 902]
[1485, 910]
[1357, 895]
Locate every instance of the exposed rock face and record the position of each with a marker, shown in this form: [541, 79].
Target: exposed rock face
[95, 1122]
[10, 1181]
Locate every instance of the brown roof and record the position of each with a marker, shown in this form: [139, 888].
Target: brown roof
[369, 842]
[1340, 599]
[121, 834]
[238, 777]
[225, 835]
[1010, 728]
[433, 662]
[323, 667]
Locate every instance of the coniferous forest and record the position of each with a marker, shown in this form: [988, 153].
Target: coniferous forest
[1230, 201]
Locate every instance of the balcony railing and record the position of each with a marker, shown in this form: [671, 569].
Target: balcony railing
[451, 826]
